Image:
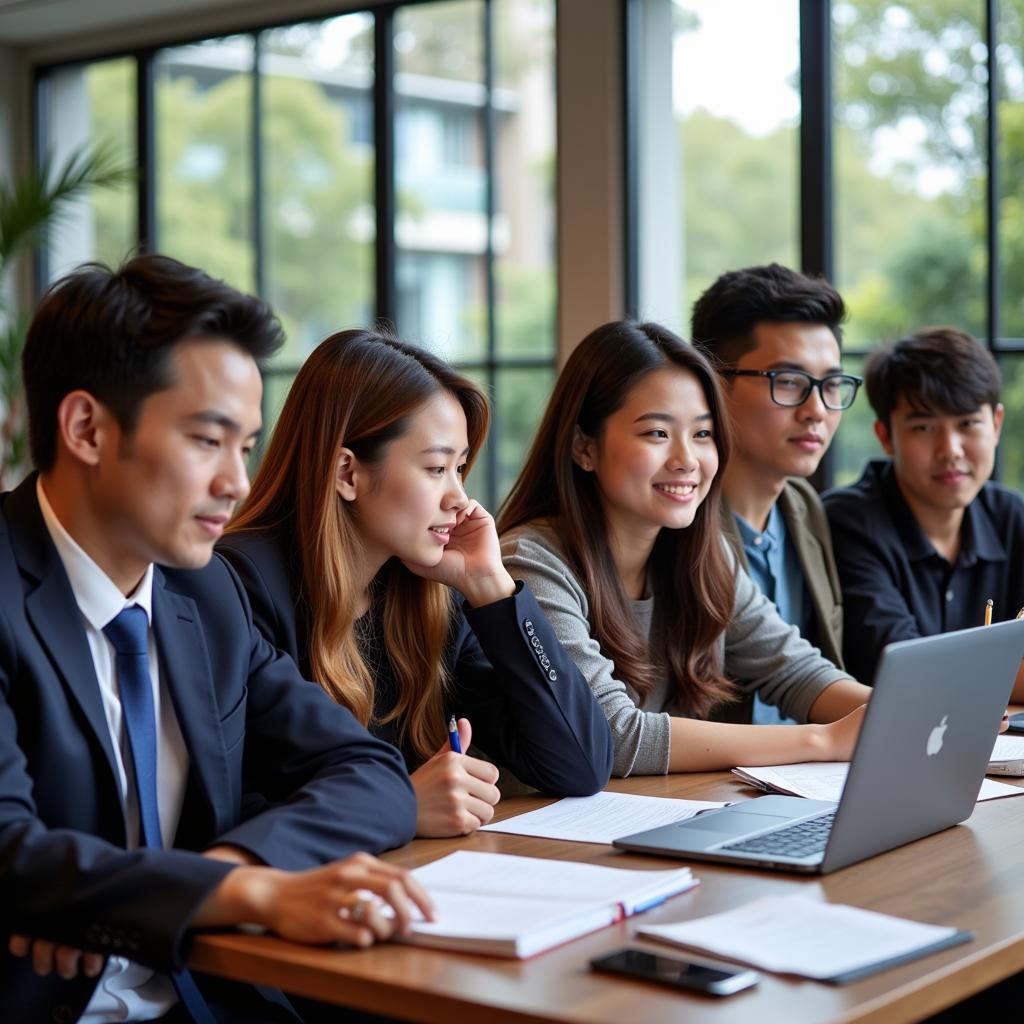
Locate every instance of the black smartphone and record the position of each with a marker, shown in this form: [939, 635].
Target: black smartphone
[1016, 722]
[671, 970]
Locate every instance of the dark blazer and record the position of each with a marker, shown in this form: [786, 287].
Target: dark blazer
[807, 526]
[530, 707]
[257, 735]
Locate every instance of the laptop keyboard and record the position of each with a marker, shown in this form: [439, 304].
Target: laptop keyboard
[799, 840]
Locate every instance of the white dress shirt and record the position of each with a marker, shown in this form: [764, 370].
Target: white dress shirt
[127, 991]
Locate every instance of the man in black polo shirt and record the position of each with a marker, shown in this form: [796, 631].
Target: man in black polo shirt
[924, 539]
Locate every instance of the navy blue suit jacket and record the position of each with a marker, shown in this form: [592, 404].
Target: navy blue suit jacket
[530, 707]
[275, 768]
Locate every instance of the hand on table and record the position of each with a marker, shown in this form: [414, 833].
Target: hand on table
[359, 900]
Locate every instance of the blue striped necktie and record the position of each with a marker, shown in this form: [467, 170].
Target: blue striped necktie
[129, 633]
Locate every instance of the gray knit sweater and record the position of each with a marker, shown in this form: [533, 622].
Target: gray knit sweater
[760, 651]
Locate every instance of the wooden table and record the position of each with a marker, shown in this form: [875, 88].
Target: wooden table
[971, 876]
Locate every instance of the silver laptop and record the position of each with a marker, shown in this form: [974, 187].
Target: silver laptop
[917, 767]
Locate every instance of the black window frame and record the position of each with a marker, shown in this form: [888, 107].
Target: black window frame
[493, 362]
[816, 171]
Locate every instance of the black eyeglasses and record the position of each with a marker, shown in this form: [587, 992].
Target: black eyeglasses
[791, 388]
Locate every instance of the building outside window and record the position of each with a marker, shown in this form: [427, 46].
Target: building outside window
[260, 163]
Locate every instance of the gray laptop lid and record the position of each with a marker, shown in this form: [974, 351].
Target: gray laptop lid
[923, 749]
[917, 767]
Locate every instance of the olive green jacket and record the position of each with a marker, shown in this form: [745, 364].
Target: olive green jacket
[808, 529]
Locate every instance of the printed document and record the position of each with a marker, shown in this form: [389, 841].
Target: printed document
[824, 780]
[798, 935]
[600, 818]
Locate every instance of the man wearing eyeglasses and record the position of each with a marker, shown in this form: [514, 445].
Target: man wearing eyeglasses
[924, 539]
[774, 334]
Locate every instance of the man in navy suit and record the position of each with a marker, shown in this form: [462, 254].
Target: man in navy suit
[162, 767]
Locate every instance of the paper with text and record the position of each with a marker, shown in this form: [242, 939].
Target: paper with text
[796, 935]
[1008, 748]
[600, 818]
[824, 780]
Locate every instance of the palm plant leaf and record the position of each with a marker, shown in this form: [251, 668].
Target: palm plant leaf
[12, 337]
[33, 202]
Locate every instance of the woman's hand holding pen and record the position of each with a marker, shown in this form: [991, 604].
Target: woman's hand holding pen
[455, 793]
[471, 563]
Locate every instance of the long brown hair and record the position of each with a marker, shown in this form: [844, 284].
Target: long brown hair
[692, 583]
[359, 389]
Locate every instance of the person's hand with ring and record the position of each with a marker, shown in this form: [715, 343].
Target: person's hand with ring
[359, 900]
[343, 901]
[359, 906]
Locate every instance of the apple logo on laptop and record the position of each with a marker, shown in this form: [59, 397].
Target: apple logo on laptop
[935, 737]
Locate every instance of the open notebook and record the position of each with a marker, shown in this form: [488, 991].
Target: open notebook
[503, 905]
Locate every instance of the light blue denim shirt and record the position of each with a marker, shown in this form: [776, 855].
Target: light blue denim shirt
[775, 568]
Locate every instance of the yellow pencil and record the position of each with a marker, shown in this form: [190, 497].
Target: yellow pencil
[988, 612]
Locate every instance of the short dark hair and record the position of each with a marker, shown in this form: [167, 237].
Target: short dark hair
[725, 316]
[113, 332]
[940, 370]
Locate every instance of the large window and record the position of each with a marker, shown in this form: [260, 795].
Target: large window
[80, 105]
[203, 177]
[911, 118]
[878, 142]
[739, 135]
[392, 165]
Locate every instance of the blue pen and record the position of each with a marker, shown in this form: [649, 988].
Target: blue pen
[453, 736]
[656, 901]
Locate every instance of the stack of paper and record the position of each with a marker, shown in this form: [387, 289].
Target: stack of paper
[797, 935]
[1007, 756]
[600, 818]
[519, 906]
[824, 780]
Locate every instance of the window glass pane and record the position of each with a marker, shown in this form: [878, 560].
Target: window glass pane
[854, 442]
[440, 176]
[318, 203]
[524, 228]
[1010, 61]
[910, 104]
[479, 483]
[204, 191]
[520, 399]
[92, 104]
[1011, 440]
[737, 102]
[277, 383]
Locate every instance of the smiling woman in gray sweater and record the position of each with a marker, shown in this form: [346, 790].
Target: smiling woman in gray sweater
[613, 522]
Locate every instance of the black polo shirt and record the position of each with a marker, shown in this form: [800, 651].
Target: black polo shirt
[897, 586]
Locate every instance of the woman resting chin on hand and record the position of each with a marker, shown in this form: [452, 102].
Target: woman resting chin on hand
[614, 523]
[364, 558]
